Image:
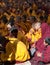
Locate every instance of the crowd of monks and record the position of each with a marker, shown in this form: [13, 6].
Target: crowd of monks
[26, 24]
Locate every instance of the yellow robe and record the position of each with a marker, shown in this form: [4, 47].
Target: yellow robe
[48, 21]
[34, 37]
[35, 6]
[3, 29]
[15, 50]
[22, 37]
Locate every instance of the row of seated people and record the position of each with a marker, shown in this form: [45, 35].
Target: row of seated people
[24, 22]
[33, 8]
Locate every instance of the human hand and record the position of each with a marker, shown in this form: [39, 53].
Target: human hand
[39, 54]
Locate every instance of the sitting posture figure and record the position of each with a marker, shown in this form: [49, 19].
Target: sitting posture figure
[43, 57]
[16, 50]
[35, 33]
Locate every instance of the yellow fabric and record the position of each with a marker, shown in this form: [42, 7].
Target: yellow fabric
[28, 35]
[15, 50]
[23, 39]
[3, 29]
[34, 13]
[20, 35]
[12, 14]
[9, 51]
[48, 21]
[22, 53]
[22, 25]
[35, 6]
[28, 25]
[12, 40]
[28, 12]
[2, 4]
[34, 36]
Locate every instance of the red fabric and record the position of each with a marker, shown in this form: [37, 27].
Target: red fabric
[45, 33]
[47, 55]
[40, 46]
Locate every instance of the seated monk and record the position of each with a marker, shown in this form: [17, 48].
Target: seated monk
[16, 50]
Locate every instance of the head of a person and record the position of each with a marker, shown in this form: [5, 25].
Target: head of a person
[14, 32]
[11, 20]
[9, 26]
[47, 41]
[4, 19]
[32, 19]
[13, 10]
[24, 17]
[42, 19]
[31, 10]
[46, 17]
[3, 42]
[39, 0]
[18, 11]
[39, 11]
[36, 25]
[25, 5]
[18, 19]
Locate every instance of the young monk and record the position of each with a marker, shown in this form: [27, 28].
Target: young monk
[35, 33]
[16, 50]
[33, 36]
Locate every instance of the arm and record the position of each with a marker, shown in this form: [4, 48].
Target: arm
[46, 56]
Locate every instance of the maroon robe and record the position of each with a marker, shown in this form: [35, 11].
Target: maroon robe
[40, 46]
[45, 33]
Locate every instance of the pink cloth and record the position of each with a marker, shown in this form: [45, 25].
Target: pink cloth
[45, 33]
[40, 46]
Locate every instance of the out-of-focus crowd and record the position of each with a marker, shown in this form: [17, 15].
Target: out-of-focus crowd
[25, 31]
[23, 10]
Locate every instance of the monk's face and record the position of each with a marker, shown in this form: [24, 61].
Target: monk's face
[37, 26]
